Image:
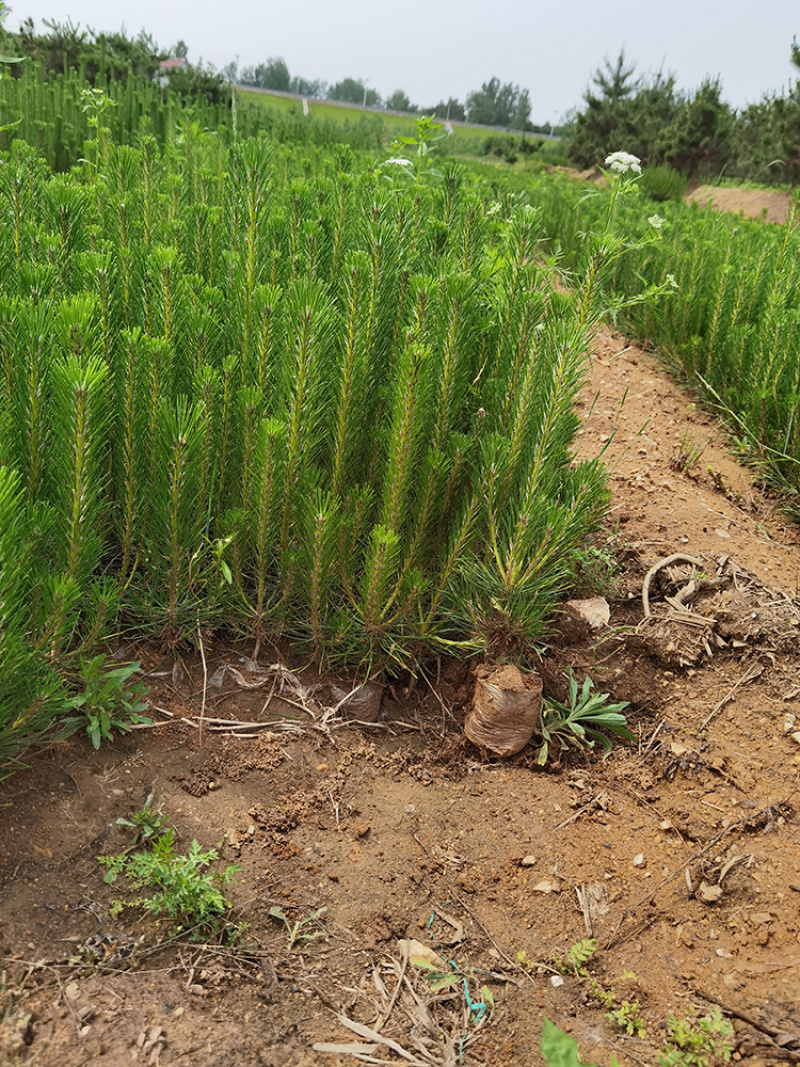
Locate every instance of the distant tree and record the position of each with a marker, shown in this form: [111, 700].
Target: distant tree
[399, 101]
[768, 135]
[304, 87]
[452, 109]
[230, 72]
[606, 123]
[65, 45]
[701, 135]
[494, 104]
[274, 74]
[352, 91]
[179, 50]
[521, 119]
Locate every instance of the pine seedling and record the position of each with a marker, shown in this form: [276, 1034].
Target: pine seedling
[80, 419]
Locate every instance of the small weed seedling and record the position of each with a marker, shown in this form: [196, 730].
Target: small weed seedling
[596, 570]
[627, 1018]
[577, 958]
[105, 704]
[588, 717]
[687, 454]
[295, 929]
[184, 891]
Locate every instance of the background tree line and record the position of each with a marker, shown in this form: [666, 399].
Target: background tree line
[697, 132]
[98, 56]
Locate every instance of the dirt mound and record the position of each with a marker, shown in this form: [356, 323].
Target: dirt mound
[755, 203]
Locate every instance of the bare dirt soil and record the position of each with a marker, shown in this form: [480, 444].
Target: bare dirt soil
[755, 203]
[679, 854]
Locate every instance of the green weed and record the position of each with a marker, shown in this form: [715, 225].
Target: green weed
[697, 1042]
[587, 718]
[106, 704]
[183, 889]
[295, 929]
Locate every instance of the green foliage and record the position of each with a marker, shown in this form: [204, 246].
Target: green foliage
[354, 91]
[183, 890]
[661, 182]
[106, 704]
[559, 1049]
[273, 74]
[421, 145]
[626, 1016]
[32, 692]
[692, 132]
[496, 104]
[730, 325]
[587, 718]
[289, 397]
[596, 568]
[697, 1042]
[399, 101]
[578, 956]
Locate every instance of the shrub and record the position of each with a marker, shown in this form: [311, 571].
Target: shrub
[662, 183]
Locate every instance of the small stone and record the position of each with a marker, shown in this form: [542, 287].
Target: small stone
[556, 981]
[361, 828]
[527, 861]
[638, 861]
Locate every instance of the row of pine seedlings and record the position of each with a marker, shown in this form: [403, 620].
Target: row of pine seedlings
[243, 392]
[49, 111]
[732, 325]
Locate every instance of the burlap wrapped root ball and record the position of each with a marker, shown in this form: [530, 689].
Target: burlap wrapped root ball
[505, 709]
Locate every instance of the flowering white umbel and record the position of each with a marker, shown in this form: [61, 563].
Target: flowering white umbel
[622, 162]
[656, 222]
[400, 162]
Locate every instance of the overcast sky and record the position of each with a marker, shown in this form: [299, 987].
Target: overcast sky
[434, 49]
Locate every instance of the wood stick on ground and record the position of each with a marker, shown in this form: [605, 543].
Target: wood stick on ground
[750, 676]
[205, 684]
[677, 557]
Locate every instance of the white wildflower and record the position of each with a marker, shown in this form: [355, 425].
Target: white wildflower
[400, 162]
[622, 162]
[671, 281]
[656, 222]
[493, 209]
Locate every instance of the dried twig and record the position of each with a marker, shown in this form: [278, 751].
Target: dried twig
[750, 676]
[205, 684]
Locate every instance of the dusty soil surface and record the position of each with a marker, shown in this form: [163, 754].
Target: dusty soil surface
[678, 855]
[755, 203]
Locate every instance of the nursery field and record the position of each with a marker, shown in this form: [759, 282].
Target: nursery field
[401, 831]
[308, 444]
[464, 140]
[730, 328]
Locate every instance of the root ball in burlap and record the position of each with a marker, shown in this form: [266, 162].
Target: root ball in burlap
[505, 709]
